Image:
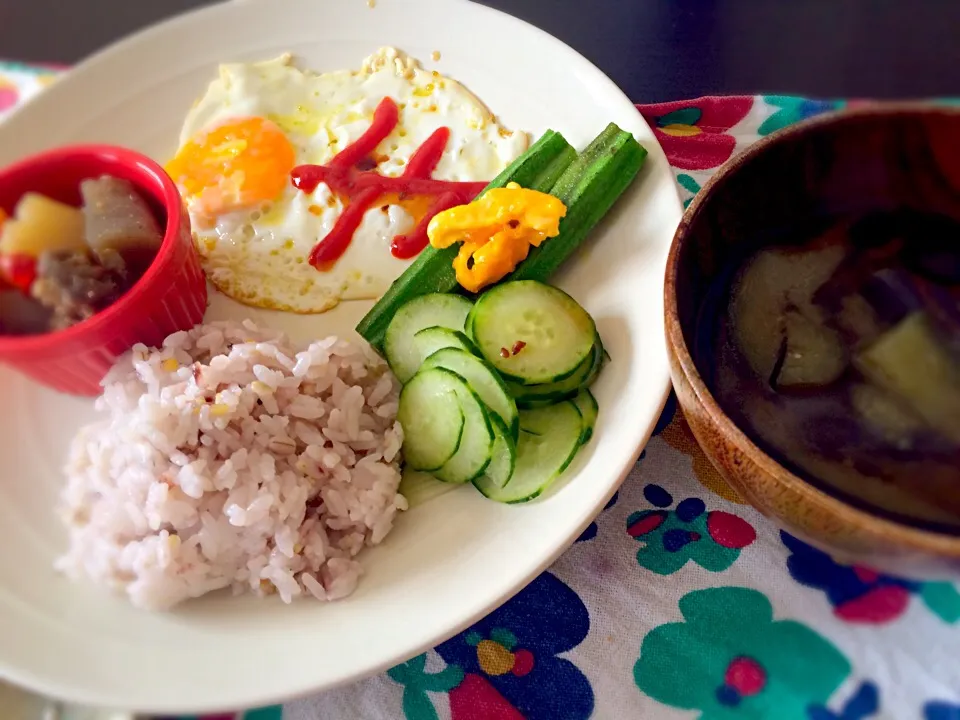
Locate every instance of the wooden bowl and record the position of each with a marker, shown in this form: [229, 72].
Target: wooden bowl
[847, 162]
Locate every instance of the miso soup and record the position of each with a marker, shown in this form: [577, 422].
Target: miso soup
[840, 356]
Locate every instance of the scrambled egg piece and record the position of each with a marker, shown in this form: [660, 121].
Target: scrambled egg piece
[497, 230]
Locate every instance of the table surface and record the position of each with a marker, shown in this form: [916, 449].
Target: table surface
[654, 49]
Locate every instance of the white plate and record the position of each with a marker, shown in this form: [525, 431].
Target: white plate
[448, 562]
[19, 704]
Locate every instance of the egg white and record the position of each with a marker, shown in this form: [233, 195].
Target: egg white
[259, 256]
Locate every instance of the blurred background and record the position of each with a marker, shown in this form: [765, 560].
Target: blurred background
[654, 49]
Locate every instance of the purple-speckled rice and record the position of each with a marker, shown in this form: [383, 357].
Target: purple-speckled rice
[228, 458]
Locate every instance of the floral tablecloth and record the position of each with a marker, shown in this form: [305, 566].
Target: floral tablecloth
[680, 601]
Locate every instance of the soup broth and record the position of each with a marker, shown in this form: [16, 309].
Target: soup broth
[840, 356]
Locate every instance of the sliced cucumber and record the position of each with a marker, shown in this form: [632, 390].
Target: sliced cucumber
[433, 310]
[476, 448]
[549, 440]
[483, 380]
[433, 339]
[532, 333]
[468, 326]
[589, 409]
[503, 457]
[533, 396]
[430, 413]
[421, 487]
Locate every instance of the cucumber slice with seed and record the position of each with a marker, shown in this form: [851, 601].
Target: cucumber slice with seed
[531, 333]
[432, 339]
[483, 380]
[549, 440]
[476, 447]
[432, 310]
[503, 456]
[533, 396]
[589, 409]
[432, 419]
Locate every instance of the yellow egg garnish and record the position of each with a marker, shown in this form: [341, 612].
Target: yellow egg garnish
[235, 165]
[497, 231]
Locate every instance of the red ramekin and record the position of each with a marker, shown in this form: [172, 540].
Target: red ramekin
[171, 295]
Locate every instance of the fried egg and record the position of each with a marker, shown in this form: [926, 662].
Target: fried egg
[257, 121]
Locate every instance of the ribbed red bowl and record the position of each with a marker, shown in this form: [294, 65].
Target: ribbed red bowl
[171, 295]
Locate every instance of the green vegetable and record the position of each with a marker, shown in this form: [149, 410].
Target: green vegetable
[588, 193]
[432, 419]
[532, 333]
[554, 171]
[476, 447]
[429, 310]
[569, 179]
[503, 456]
[483, 379]
[460, 423]
[533, 396]
[527, 169]
[432, 270]
[549, 440]
[589, 410]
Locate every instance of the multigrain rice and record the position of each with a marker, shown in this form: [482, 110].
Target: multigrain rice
[228, 458]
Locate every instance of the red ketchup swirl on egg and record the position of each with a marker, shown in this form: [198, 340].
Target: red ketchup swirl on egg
[352, 174]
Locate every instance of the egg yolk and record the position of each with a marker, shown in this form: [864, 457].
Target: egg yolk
[497, 231]
[236, 165]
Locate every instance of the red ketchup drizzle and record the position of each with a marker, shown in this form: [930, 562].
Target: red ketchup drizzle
[362, 187]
